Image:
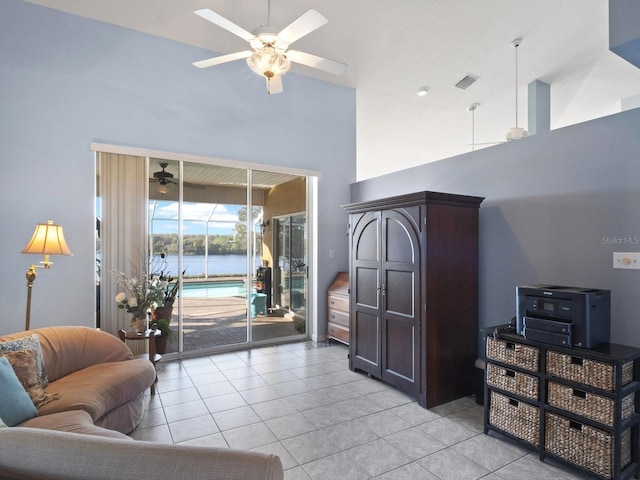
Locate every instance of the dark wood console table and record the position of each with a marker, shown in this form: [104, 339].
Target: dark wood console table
[153, 357]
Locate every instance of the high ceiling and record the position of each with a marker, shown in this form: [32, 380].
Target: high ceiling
[393, 48]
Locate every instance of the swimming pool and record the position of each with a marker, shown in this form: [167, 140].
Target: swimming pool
[214, 289]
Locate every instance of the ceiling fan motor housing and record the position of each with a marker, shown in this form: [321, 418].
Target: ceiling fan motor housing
[163, 176]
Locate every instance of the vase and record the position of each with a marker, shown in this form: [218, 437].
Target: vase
[161, 344]
[162, 313]
[140, 324]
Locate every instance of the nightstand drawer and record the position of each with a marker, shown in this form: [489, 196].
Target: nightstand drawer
[341, 318]
[338, 332]
[338, 303]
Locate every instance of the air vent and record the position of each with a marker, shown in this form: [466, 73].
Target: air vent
[467, 81]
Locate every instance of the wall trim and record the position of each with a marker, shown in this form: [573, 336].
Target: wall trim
[146, 152]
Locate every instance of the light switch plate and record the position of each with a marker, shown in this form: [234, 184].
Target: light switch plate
[626, 260]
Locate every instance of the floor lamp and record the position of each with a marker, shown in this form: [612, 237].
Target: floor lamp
[48, 239]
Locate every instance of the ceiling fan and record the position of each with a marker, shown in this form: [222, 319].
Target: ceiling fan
[270, 57]
[166, 181]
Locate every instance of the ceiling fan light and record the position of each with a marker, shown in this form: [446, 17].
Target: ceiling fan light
[268, 62]
[163, 189]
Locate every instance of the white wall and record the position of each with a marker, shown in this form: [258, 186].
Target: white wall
[66, 81]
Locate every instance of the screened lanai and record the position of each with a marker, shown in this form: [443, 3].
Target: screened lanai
[229, 247]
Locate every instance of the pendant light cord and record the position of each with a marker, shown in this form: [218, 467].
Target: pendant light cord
[516, 48]
[473, 130]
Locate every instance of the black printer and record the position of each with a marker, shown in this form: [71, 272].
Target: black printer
[564, 316]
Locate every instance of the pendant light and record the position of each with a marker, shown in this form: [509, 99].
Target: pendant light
[516, 133]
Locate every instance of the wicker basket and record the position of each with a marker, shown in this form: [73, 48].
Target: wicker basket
[516, 418]
[587, 404]
[512, 353]
[512, 381]
[585, 446]
[586, 371]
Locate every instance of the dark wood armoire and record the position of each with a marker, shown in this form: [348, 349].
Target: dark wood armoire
[414, 293]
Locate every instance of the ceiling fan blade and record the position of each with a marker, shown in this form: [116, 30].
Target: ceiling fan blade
[331, 66]
[303, 25]
[210, 62]
[222, 22]
[274, 84]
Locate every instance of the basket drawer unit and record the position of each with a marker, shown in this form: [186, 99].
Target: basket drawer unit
[587, 404]
[514, 417]
[586, 371]
[585, 446]
[512, 381]
[513, 353]
[576, 406]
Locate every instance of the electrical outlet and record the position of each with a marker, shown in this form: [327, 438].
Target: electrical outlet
[626, 260]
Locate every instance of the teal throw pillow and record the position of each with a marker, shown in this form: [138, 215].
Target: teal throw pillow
[15, 404]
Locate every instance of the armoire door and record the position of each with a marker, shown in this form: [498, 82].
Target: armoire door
[364, 330]
[400, 298]
[386, 296]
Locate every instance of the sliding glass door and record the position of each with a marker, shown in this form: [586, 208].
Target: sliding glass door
[290, 277]
[219, 232]
[200, 230]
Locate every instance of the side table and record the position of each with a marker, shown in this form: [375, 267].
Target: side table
[153, 357]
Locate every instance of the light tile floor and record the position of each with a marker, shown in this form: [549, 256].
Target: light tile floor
[301, 402]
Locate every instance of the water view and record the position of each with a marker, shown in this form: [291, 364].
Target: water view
[217, 265]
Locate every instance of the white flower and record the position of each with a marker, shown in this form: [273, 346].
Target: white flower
[133, 302]
[121, 297]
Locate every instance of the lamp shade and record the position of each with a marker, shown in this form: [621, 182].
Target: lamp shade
[48, 239]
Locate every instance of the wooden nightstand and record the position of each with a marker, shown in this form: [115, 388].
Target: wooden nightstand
[338, 308]
[153, 357]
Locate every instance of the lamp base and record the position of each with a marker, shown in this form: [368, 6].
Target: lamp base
[31, 276]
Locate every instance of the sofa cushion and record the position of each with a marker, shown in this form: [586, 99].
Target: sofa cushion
[15, 404]
[77, 421]
[97, 389]
[29, 453]
[124, 418]
[66, 349]
[25, 365]
[27, 342]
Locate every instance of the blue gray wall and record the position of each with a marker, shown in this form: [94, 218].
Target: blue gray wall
[624, 30]
[557, 205]
[66, 81]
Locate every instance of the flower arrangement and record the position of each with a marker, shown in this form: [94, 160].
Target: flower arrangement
[159, 270]
[153, 291]
[140, 294]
